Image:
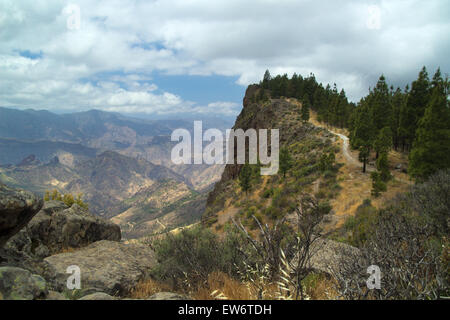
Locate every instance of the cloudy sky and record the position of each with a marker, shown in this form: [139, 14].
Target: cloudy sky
[197, 56]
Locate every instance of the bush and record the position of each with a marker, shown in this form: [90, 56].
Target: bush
[361, 224]
[67, 198]
[268, 193]
[191, 255]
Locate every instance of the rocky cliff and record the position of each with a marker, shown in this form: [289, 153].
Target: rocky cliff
[17, 208]
[306, 144]
[39, 245]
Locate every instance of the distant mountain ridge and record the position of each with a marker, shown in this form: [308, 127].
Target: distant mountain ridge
[106, 180]
[77, 137]
[120, 164]
[76, 127]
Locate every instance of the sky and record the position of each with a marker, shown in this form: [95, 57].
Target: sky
[175, 57]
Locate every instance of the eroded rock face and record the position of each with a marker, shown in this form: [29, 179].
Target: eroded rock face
[20, 284]
[57, 227]
[113, 267]
[17, 208]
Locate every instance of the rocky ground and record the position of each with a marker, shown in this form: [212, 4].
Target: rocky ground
[39, 241]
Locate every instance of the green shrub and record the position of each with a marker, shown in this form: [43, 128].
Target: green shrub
[361, 225]
[193, 254]
[268, 193]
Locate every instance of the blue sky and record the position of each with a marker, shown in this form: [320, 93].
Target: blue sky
[202, 89]
[175, 57]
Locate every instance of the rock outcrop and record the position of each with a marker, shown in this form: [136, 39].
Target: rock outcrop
[17, 208]
[57, 227]
[20, 284]
[112, 267]
[329, 254]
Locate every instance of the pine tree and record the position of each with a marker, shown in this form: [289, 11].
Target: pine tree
[431, 149]
[418, 99]
[405, 117]
[363, 134]
[383, 142]
[245, 177]
[383, 167]
[378, 185]
[266, 79]
[305, 108]
[285, 161]
[397, 102]
[326, 162]
[380, 105]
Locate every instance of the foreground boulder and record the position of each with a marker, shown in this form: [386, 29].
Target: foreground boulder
[328, 255]
[112, 267]
[168, 296]
[17, 208]
[98, 296]
[20, 284]
[57, 227]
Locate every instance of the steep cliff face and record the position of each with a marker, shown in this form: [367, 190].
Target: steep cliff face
[306, 144]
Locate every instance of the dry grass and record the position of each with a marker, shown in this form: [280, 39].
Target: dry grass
[67, 250]
[147, 288]
[322, 289]
[220, 286]
[356, 186]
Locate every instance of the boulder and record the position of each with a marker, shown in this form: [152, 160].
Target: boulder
[112, 267]
[19, 259]
[53, 295]
[98, 296]
[57, 227]
[20, 284]
[168, 296]
[328, 254]
[17, 208]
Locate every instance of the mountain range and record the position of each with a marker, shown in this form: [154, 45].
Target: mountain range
[120, 164]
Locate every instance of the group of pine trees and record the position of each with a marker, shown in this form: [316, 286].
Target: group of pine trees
[331, 105]
[414, 120]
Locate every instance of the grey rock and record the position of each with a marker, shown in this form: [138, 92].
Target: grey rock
[113, 267]
[57, 227]
[20, 284]
[53, 295]
[328, 254]
[168, 296]
[17, 208]
[98, 296]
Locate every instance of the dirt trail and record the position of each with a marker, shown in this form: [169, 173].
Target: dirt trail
[346, 149]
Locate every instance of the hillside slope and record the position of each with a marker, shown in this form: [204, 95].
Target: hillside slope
[340, 184]
[135, 190]
[274, 196]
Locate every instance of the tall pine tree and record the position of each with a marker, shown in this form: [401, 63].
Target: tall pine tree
[418, 98]
[431, 149]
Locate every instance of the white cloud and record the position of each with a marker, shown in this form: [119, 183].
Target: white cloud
[228, 37]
